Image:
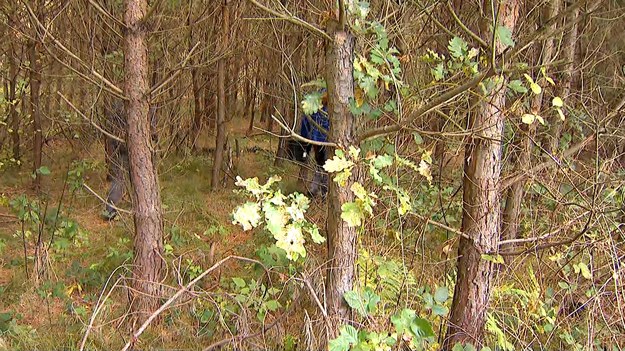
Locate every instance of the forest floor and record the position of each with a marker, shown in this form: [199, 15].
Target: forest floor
[52, 313]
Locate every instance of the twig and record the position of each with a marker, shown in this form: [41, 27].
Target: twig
[301, 138]
[442, 226]
[434, 103]
[115, 89]
[292, 19]
[464, 27]
[179, 293]
[182, 65]
[243, 337]
[103, 200]
[90, 121]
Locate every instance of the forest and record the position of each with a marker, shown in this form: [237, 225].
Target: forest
[312, 175]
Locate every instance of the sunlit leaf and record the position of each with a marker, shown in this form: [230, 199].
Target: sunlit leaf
[352, 214]
[247, 215]
[557, 102]
[528, 118]
[536, 89]
[312, 103]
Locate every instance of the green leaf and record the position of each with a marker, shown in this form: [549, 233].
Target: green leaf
[316, 236]
[272, 305]
[352, 214]
[418, 139]
[504, 35]
[312, 103]
[403, 319]
[371, 298]
[240, 283]
[43, 170]
[458, 47]
[439, 71]
[421, 327]
[457, 347]
[348, 336]
[584, 270]
[355, 301]
[441, 294]
[439, 310]
[382, 161]
[517, 86]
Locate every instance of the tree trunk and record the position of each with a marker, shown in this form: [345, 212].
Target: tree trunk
[220, 137]
[14, 119]
[481, 208]
[148, 241]
[195, 82]
[514, 199]
[35, 109]
[341, 238]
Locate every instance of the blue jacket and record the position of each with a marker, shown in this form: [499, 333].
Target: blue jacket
[310, 131]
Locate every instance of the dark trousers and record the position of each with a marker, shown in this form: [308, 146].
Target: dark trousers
[319, 183]
[117, 159]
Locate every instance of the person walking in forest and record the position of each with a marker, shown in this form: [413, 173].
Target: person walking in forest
[315, 127]
[116, 154]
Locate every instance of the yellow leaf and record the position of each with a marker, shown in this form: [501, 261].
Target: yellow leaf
[550, 80]
[359, 97]
[536, 89]
[540, 119]
[557, 102]
[561, 114]
[528, 118]
[529, 79]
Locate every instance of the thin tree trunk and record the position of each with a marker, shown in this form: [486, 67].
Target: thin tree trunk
[481, 208]
[220, 137]
[514, 199]
[286, 106]
[195, 82]
[14, 119]
[341, 238]
[148, 240]
[35, 109]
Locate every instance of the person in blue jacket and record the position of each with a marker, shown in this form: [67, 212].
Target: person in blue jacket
[316, 128]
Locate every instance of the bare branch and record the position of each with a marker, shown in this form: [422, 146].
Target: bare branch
[179, 293]
[95, 125]
[438, 101]
[293, 19]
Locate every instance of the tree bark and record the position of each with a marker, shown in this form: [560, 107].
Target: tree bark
[341, 238]
[481, 207]
[148, 240]
[220, 137]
